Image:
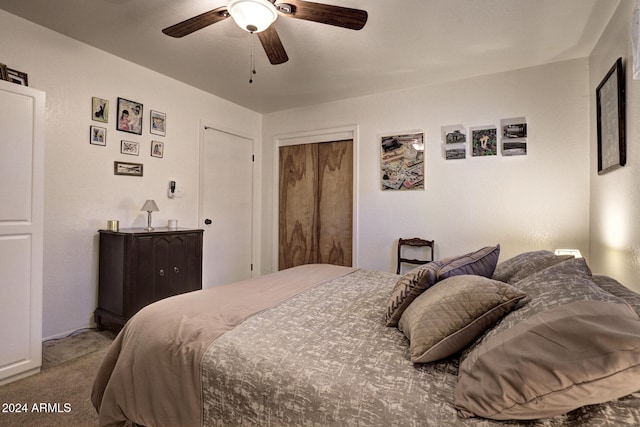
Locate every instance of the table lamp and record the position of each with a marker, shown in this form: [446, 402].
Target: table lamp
[149, 206]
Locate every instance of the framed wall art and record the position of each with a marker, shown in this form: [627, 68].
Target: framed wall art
[97, 135]
[157, 149]
[99, 110]
[158, 123]
[17, 77]
[129, 116]
[484, 141]
[130, 147]
[610, 113]
[124, 168]
[402, 161]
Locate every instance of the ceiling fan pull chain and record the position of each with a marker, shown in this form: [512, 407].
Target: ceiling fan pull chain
[253, 57]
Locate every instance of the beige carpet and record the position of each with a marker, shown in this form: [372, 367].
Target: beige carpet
[63, 385]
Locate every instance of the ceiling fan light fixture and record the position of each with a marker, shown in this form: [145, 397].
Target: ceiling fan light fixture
[253, 16]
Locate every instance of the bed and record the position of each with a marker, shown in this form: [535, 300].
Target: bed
[536, 340]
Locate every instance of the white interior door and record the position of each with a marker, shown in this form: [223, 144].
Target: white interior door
[21, 230]
[226, 207]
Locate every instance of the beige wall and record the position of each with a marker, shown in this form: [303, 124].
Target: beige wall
[81, 190]
[615, 196]
[524, 203]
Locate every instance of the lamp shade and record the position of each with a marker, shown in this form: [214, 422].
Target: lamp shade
[150, 206]
[253, 16]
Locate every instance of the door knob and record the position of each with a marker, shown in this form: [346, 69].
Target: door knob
[207, 221]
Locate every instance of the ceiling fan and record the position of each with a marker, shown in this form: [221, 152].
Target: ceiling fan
[256, 16]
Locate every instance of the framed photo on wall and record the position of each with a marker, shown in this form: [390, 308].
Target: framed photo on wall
[100, 110]
[98, 135]
[124, 168]
[129, 116]
[129, 147]
[158, 123]
[484, 141]
[610, 113]
[157, 149]
[17, 77]
[402, 161]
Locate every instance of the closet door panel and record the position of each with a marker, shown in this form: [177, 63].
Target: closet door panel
[298, 201]
[335, 208]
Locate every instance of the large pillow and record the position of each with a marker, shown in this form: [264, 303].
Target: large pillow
[525, 264]
[576, 354]
[560, 284]
[481, 262]
[451, 314]
[551, 290]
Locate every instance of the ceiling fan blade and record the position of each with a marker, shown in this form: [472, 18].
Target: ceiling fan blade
[345, 17]
[273, 46]
[196, 23]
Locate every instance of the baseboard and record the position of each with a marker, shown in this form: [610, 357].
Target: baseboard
[68, 333]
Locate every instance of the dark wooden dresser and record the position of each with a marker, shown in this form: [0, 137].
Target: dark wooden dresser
[138, 267]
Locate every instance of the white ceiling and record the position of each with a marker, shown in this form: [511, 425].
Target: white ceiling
[405, 43]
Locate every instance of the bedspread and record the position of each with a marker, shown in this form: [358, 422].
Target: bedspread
[326, 358]
[152, 374]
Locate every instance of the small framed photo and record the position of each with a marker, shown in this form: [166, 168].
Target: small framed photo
[129, 116]
[130, 147]
[17, 77]
[157, 149]
[484, 141]
[124, 168]
[610, 113]
[158, 123]
[98, 135]
[99, 110]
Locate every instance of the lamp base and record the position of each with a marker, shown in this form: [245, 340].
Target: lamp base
[149, 228]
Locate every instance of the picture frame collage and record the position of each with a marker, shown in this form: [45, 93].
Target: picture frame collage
[130, 120]
[483, 140]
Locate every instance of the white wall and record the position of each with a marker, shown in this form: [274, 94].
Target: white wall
[524, 203]
[82, 192]
[615, 199]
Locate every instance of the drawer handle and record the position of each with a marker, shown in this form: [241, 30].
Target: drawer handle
[176, 270]
[162, 272]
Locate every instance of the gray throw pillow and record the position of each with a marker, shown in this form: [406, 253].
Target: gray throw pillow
[451, 314]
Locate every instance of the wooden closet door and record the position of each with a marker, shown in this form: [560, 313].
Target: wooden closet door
[316, 204]
[335, 207]
[298, 205]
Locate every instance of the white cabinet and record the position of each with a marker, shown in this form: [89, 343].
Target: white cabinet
[21, 229]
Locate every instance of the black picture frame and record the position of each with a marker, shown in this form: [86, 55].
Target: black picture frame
[610, 113]
[126, 168]
[3, 72]
[17, 77]
[129, 116]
